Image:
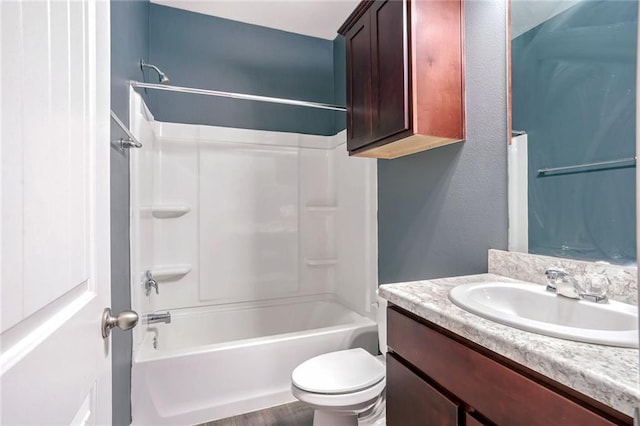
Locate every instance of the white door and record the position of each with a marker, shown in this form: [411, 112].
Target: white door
[55, 367]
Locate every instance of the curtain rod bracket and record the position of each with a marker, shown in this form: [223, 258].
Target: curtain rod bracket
[130, 141]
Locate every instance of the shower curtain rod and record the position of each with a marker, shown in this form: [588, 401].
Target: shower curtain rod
[192, 90]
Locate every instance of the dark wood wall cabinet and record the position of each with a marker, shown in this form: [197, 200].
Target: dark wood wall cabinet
[435, 377]
[405, 76]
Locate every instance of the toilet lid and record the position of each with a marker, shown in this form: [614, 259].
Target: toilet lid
[338, 372]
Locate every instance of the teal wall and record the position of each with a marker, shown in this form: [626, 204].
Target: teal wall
[207, 52]
[339, 82]
[440, 211]
[129, 44]
[574, 93]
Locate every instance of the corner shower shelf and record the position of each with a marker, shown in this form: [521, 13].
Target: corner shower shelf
[321, 262]
[170, 273]
[169, 211]
[322, 208]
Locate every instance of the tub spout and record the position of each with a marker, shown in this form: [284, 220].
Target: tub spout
[154, 318]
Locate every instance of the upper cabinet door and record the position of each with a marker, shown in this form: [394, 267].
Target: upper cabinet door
[405, 84]
[359, 119]
[390, 68]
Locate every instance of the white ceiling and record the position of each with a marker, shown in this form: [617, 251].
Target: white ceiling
[322, 18]
[316, 18]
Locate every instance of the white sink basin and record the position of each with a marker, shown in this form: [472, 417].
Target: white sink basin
[530, 307]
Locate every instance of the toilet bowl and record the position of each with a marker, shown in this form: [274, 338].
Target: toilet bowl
[345, 388]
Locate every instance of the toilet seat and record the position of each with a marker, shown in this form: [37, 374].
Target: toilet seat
[351, 401]
[350, 380]
[340, 372]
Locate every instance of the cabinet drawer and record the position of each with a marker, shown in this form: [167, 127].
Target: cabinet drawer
[501, 394]
[412, 401]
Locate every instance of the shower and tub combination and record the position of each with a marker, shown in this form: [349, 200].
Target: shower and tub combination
[251, 252]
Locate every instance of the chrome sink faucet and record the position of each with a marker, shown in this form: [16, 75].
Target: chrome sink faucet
[563, 284]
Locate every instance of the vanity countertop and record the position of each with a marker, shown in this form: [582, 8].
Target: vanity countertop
[606, 374]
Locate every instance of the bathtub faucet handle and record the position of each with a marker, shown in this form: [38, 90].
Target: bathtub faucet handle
[150, 283]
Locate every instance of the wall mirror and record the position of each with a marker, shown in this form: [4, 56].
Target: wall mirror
[573, 89]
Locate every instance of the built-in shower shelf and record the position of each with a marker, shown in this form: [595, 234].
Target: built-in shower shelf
[170, 273]
[321, 262]
[322, 208]
[169, 211]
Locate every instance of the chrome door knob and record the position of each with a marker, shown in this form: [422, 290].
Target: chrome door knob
[125, 320]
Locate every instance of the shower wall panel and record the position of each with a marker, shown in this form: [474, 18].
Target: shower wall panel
[357, 230]
[248, 208]
[142, 165]
[236, 216]
[241, 216]
[175, 245]
[318, 207]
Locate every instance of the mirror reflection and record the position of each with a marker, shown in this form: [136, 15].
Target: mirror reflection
[573, 115]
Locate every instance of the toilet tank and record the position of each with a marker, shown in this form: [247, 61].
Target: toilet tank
[381, 319]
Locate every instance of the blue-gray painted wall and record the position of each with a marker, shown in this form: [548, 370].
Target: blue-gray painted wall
[339, 82]
[129, 44]
[441, 210]
[213, 53]
[574, 93]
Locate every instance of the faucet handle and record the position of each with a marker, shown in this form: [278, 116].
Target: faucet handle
[150, 283]
[554, 275]
[595, 287]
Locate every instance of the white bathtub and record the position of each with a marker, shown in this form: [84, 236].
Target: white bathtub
[217, 362]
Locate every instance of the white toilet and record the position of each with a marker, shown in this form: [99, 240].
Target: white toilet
[345, 387]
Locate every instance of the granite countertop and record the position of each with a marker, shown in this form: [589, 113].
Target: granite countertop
[606, 374]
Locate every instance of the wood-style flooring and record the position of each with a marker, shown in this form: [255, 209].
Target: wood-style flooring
[294, 414]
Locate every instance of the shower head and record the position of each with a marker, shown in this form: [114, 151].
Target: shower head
[162, 77]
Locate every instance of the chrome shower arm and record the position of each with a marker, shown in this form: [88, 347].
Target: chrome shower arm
[162, 77]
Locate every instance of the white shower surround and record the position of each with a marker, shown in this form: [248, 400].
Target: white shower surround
[237, 219]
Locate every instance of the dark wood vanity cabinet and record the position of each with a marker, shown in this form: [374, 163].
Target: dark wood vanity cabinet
[412, 401]
[405, 76]
[435, 377]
